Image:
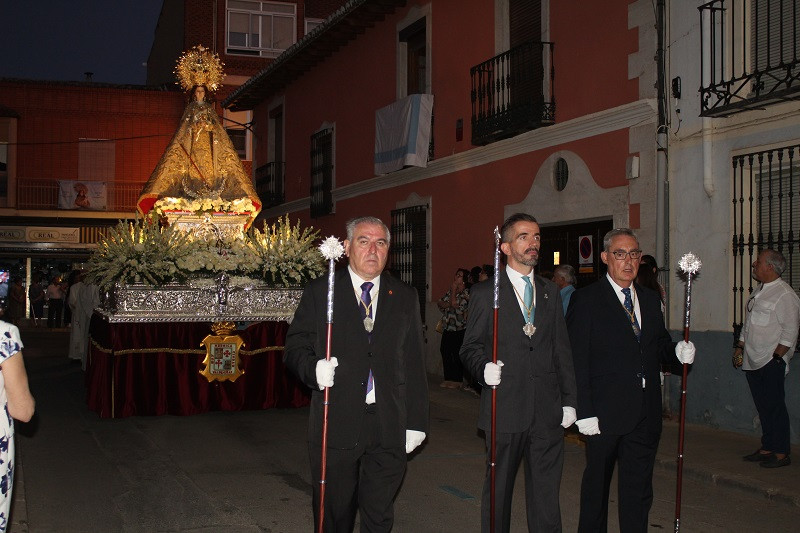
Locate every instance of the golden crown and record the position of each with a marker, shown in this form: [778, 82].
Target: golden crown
[200, 66]
[223, 328]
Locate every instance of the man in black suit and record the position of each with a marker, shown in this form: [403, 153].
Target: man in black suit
[618, 339]
[536, 398]
[378, 401]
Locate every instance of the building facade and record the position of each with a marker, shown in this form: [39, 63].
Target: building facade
[519, 121]
[571, 112]
[734, 177]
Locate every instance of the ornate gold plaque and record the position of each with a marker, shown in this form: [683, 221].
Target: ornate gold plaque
[222, 353]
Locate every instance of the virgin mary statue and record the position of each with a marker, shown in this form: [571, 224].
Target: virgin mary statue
[200, 168]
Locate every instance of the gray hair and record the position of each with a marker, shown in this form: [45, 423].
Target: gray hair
[617, 232]
[353, 222]
[567, 272]
[774, 259]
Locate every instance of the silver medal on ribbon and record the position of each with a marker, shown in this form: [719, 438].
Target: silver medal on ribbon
[529, 329]
[369, 324]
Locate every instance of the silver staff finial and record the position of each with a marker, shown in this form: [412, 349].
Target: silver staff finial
[331, 248]
[690, 263]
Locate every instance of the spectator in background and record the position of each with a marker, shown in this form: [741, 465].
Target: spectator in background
[454, 305]
[37, 297]
[83, 298]
[16, 307]
[648, 264]
[55, 303]
[764, 349]
[72, 278]
[487, 272]
[564, 277]
[474, 276]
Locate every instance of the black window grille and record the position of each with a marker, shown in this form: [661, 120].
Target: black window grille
[766, 214]
[270, 183]
[409, 251]
[750, 54]
[322, 173]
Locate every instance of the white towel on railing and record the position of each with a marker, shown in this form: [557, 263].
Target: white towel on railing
[402, 133]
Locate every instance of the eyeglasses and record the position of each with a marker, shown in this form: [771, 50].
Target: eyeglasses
[620, 255]
[750, 303]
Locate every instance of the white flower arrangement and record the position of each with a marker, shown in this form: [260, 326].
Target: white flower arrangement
[145, 252]
[139, 253]
[288, 254]
[198, 206]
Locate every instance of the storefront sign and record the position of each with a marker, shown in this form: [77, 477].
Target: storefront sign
[12, 233]
[41, 234]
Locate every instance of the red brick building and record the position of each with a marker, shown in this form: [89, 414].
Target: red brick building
[55, 135]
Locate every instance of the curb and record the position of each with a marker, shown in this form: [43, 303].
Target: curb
[19, 505]
[741, 483]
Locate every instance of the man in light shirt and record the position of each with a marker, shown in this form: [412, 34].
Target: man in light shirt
[765, 346]
[378, 387]
[564, 277]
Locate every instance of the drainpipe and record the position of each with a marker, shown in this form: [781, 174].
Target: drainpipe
[706, 124]
[662, 212]
[214, 26]
[708, 176]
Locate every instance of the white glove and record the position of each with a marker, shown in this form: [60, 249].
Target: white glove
[589, 426]
[325, 370]
[570, 416]
[413, 439]
[684, 351]
[491, 373]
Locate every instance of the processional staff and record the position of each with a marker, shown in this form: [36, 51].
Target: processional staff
[331, 249]
[493, 451]
[690, 264]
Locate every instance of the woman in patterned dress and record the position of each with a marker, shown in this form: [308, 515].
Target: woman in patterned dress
[17, 403]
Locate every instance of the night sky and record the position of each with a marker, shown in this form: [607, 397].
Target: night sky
[59, 40]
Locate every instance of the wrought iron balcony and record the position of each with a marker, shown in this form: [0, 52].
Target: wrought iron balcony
[749, 55]
[269, 183]
[513, 93]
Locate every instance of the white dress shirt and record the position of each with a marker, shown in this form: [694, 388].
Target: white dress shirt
[519, 287]
[621, 298]
[773, 318]
[373, 294]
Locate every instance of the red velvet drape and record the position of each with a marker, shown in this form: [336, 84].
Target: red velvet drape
[154, 369]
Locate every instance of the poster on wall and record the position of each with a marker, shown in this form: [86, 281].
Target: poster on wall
[85, 195]
[585, 254]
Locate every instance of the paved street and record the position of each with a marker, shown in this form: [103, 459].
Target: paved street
[248, 471]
